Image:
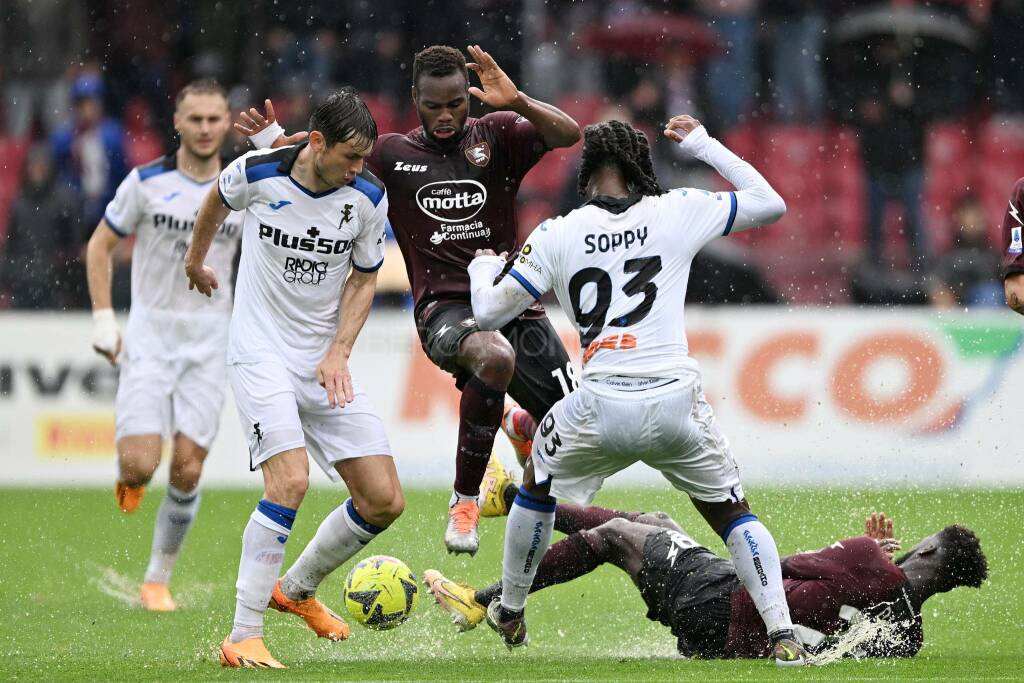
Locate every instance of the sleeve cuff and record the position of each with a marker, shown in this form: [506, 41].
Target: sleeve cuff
[371, 269]
[223, 199]
[118, 230]
[732, 214]
[521, 279]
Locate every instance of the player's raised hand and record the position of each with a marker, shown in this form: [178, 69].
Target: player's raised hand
[678, 127]
[201, 278]
[498, 89]
[333, 375]
[881, 529]
[253, 122]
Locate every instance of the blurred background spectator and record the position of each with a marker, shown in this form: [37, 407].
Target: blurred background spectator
[881, 123]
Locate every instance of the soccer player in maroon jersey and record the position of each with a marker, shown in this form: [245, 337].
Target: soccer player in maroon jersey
[1013, 253]
[698, 596]
[452, 184]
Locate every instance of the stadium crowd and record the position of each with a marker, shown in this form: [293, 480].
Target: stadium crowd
[894, 130]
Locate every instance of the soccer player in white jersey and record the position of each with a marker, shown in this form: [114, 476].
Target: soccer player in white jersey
[172, 356]
[619, 266]
[313, 217]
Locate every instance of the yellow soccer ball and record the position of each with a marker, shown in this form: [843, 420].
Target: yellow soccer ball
[381, 592]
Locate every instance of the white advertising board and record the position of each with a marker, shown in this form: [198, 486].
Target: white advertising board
[806, 396]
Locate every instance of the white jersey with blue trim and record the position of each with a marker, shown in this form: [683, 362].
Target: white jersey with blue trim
[619, 268]
[297, 250]
[158, 204]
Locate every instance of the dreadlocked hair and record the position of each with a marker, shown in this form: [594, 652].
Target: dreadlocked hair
[965, 563]
[618, 143]
[438, 60]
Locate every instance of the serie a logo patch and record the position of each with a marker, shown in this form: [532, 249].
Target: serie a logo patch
[1016, 245]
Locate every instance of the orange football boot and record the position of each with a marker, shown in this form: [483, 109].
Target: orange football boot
[128, 497]
[250, 653]
[156, 597]
[324, 622]
[510, 422]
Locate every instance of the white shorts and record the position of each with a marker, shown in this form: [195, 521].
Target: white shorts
[280, 411]
[171, 396]
[586, 437]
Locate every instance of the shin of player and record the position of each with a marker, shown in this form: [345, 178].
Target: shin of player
[171, 374]
[313, 240]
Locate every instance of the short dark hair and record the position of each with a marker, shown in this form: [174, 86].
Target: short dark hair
[965, 564]
[618, 143]
[204, 86]
[438, 60]
[343, 116]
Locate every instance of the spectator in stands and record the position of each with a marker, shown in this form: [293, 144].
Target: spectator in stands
[966, 275]
[732, 76]
[38, 40]
[797, 46]
[1006, 70]
[40, 267]
[89, 152]
[892, 137]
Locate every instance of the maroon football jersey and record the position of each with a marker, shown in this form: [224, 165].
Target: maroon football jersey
[1013, 227]
[854, 572]
[448, 200]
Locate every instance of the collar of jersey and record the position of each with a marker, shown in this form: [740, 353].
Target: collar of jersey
[615, 205]
[285, 167]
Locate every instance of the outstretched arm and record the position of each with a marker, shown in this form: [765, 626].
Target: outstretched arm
[757, 203]
[555, 127]
[496, 305]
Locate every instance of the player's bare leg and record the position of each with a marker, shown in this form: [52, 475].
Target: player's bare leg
[491, 360]
[618, 540]
[376, 502]
[138, 456]
[173, 521]
[758, 567]
[285, 481]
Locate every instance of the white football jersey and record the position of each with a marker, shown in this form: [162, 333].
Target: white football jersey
[297, 250]
[620, 270]
[158, 204]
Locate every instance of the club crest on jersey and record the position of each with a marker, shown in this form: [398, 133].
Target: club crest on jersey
[1016, 245]
[479, 155]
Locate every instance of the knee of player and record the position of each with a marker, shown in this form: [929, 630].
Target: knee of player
[383, 507]
[185, 474]
[497, 361]
[614, 529]
[288, 489]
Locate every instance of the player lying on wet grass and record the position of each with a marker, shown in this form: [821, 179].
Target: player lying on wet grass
[853, 585]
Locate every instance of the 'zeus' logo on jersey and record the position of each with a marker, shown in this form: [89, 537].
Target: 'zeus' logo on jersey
[313, 243]
[410, 168]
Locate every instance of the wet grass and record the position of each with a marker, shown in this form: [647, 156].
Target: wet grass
[70, 564]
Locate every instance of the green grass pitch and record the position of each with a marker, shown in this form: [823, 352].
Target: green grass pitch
[70, 562]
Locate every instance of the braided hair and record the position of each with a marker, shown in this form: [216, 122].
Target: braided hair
[618, 143]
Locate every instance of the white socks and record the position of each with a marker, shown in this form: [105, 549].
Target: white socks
[262, 555]
[340, 536]
[757, 564]
[173, 520]
[527, 537]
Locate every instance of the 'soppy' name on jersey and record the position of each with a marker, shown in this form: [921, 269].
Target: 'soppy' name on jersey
[619, 269]
[297, 250]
